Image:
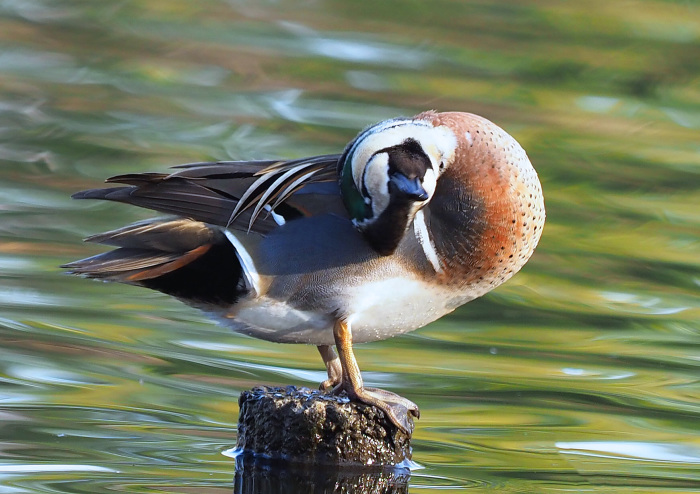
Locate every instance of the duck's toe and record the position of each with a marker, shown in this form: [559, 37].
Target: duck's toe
[389, 397]
[329, 384]
[398, 409]
[333, 367]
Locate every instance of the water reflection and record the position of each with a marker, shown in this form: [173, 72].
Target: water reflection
[262, 476]
[28, 468]
[678, 453]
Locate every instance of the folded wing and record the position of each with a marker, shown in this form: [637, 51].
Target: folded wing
[189, 256]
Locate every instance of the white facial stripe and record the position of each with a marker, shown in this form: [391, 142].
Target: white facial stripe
[380, 137]
[440, 146]
[423, 236]
[375, 179]
[439, 143]
[430, 181]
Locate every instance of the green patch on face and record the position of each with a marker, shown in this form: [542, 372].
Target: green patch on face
[354, 202]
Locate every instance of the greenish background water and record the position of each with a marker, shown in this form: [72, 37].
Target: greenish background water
[579, 375]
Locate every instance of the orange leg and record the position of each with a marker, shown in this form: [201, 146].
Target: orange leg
[396, 407]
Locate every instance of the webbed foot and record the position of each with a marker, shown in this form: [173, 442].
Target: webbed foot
[398, 409]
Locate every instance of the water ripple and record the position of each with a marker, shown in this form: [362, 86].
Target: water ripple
[633, 450]
[44, 468]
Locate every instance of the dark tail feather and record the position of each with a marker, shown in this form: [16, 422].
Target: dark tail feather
[183, 258]
[195, 198]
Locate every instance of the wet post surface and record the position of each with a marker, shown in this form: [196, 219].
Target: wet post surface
[302, 440]
[308, 426]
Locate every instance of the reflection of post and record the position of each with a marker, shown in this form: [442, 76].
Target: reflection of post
[310, 426]
[281, 477]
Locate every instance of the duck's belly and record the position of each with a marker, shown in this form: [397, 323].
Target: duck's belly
[376, 310]
[388, 307]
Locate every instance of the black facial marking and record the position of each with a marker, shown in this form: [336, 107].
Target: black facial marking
[385, 233]
[408, 158]
[408, 164]
[364, 191]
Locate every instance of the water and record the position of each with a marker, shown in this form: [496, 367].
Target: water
[579, 375]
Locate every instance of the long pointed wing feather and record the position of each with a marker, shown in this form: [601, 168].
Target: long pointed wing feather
[276, 177]
[231, 194]
[273, 191]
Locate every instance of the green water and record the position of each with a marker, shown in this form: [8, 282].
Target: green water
[579, 375]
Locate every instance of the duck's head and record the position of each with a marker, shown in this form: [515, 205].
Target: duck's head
[389, 172]
[465, 184]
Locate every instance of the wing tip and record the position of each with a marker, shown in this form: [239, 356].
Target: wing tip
[85, 194]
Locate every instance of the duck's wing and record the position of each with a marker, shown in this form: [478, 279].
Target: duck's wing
[245, 195]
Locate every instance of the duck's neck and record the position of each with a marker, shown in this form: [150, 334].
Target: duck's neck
[386, 231]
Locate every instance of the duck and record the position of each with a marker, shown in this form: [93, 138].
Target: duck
[416, 217]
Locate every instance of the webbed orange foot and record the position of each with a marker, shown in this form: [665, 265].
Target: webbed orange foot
[398, 409]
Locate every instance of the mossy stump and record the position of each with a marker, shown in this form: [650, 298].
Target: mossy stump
[308, 426]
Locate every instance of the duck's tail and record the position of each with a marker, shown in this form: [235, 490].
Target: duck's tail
[188, 259]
